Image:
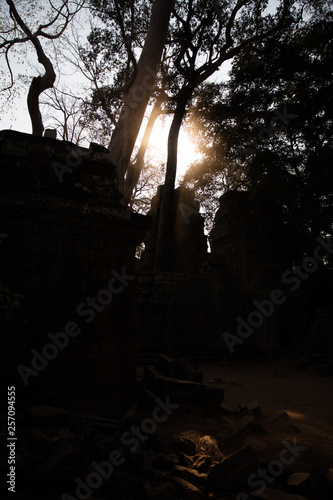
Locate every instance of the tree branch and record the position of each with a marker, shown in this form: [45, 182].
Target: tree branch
[40, 83]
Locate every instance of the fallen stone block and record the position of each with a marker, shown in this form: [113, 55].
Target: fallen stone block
[230, 425]
[227, 410]
[184, 445]
[252, 407]
[202, 463]
[183, 391]
[251, 423]
[283, 416]
[243, 409]
[233, 472]
[185, 489]
[191, 475]
[176, 368]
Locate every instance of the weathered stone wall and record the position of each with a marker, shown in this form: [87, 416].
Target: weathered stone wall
[319, 337]
[248, 236]
[177, 311]
[66, 237]
[248, 257]
[186, 243]
[248, 243]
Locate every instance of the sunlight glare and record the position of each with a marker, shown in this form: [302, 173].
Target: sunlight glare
[186, 149]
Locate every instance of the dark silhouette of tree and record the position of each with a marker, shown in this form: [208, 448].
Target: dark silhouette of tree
[269, 129]
[181, 45]
[204, 36]
[139, 89]
[113, 55]
[65, 113]
[136, 167]
[20, 33]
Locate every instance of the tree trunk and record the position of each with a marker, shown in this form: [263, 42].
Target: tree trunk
[134, 169]
[165, 220]
[135, 102]
[39, 83]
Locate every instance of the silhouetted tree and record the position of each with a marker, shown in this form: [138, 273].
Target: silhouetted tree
[140, 89]
[205, 35]
[269, 129]
[18, 32]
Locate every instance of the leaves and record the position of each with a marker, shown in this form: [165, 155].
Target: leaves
[270, 128]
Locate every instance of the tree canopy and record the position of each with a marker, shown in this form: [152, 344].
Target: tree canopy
[16, 31]
[267, 129]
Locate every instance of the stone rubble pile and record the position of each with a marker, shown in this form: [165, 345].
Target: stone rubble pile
[63, 455]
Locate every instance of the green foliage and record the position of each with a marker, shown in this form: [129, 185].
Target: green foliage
[111, 51]
[290, 158]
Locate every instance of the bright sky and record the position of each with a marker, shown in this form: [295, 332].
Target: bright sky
[187, 153]
[186, 149]
[18, 119]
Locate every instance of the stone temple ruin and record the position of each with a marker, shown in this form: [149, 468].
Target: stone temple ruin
[78, 311]
[66, 231]
[64, 240]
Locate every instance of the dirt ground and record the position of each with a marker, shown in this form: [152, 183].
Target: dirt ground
[278, 387]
